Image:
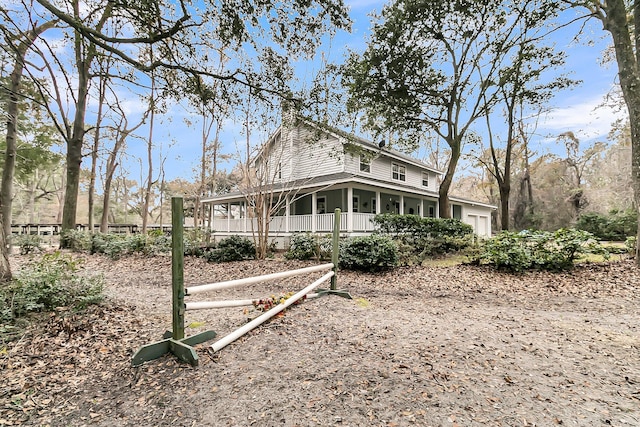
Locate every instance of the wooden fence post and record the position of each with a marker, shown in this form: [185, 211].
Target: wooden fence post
[174, 341]
[177, 266]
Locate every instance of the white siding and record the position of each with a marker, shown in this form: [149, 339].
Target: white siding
[277, 157]
[315, 156]
[479, 218]
[302, 153]
[381, 169]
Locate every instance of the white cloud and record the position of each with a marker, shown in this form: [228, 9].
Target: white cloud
[588, 118]
[368, 5]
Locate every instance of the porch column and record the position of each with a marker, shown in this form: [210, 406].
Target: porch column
[287, 213]
[314, 211]
[228, 217]
[422, 208]
[378, 205]
[244, 223]
[350, 209]
[437, 208]
[401, 205]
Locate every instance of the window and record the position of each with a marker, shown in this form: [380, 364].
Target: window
[398, 172]
[321, 205]
[279, 170]
[356, 204]
[425, 179]
[456, 211]
[365, 163]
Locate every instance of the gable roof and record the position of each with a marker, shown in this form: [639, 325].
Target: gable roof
[346, 137]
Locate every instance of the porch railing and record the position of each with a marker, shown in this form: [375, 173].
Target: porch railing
[298, 223]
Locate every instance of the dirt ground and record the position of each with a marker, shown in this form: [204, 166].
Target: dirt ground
[424, 346]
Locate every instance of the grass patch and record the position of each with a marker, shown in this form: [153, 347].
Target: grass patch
[447, 261]
[362, 302]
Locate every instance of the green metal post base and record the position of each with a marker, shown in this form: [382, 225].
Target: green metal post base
[182, 349]
[340, 292]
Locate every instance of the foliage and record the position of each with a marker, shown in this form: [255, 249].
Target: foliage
[538, 250]
[117, 245]
[196, 241]
[418, 238]
[631, 244]
[437, 67]
[232, 248]
[112, 245]
[616, 226]
[369, 253]
[48, 283]
[76, 240]
[267, 304]
[28, 243]
[306, 246]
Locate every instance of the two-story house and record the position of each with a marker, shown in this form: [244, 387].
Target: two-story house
[310, 170]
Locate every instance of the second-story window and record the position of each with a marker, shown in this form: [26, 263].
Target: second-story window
[279, 171]
[365, 164]
[398, 172]
[425, 179]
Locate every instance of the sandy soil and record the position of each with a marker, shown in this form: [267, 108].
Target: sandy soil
[448, 346]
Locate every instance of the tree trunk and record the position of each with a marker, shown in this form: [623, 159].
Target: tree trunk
[74, 144]
[74, 160]
[147, 194]
[5, 267]
[94, 154]
[13, 106]
[60, 196]
[32, 198]
[444, 207]
[85, 53]
[104, 220]
[615, 22]
[505, 193]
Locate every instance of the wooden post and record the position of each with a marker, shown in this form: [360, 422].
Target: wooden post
[174, 341]
[177, 266]
[335, 250]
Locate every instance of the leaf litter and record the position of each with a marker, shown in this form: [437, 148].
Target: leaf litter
[427, 346]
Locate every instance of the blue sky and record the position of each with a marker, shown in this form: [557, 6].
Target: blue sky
[572, 110]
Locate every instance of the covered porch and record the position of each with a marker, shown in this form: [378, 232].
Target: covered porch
[313, 210]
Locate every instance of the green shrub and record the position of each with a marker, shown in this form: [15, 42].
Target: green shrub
[28, 243]
[117, 245]
[76, 240]
[197, 241]
[306, 246]
[616, 226]
[631, 244]
[419, 238]
[137, 243]
[543, 250]
[112, 245]
[232, 248]
[370, 253]
[49, 283]
[158, 243]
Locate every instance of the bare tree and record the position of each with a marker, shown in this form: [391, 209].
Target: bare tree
[18, 43]
[120, 135]
[577, 160]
